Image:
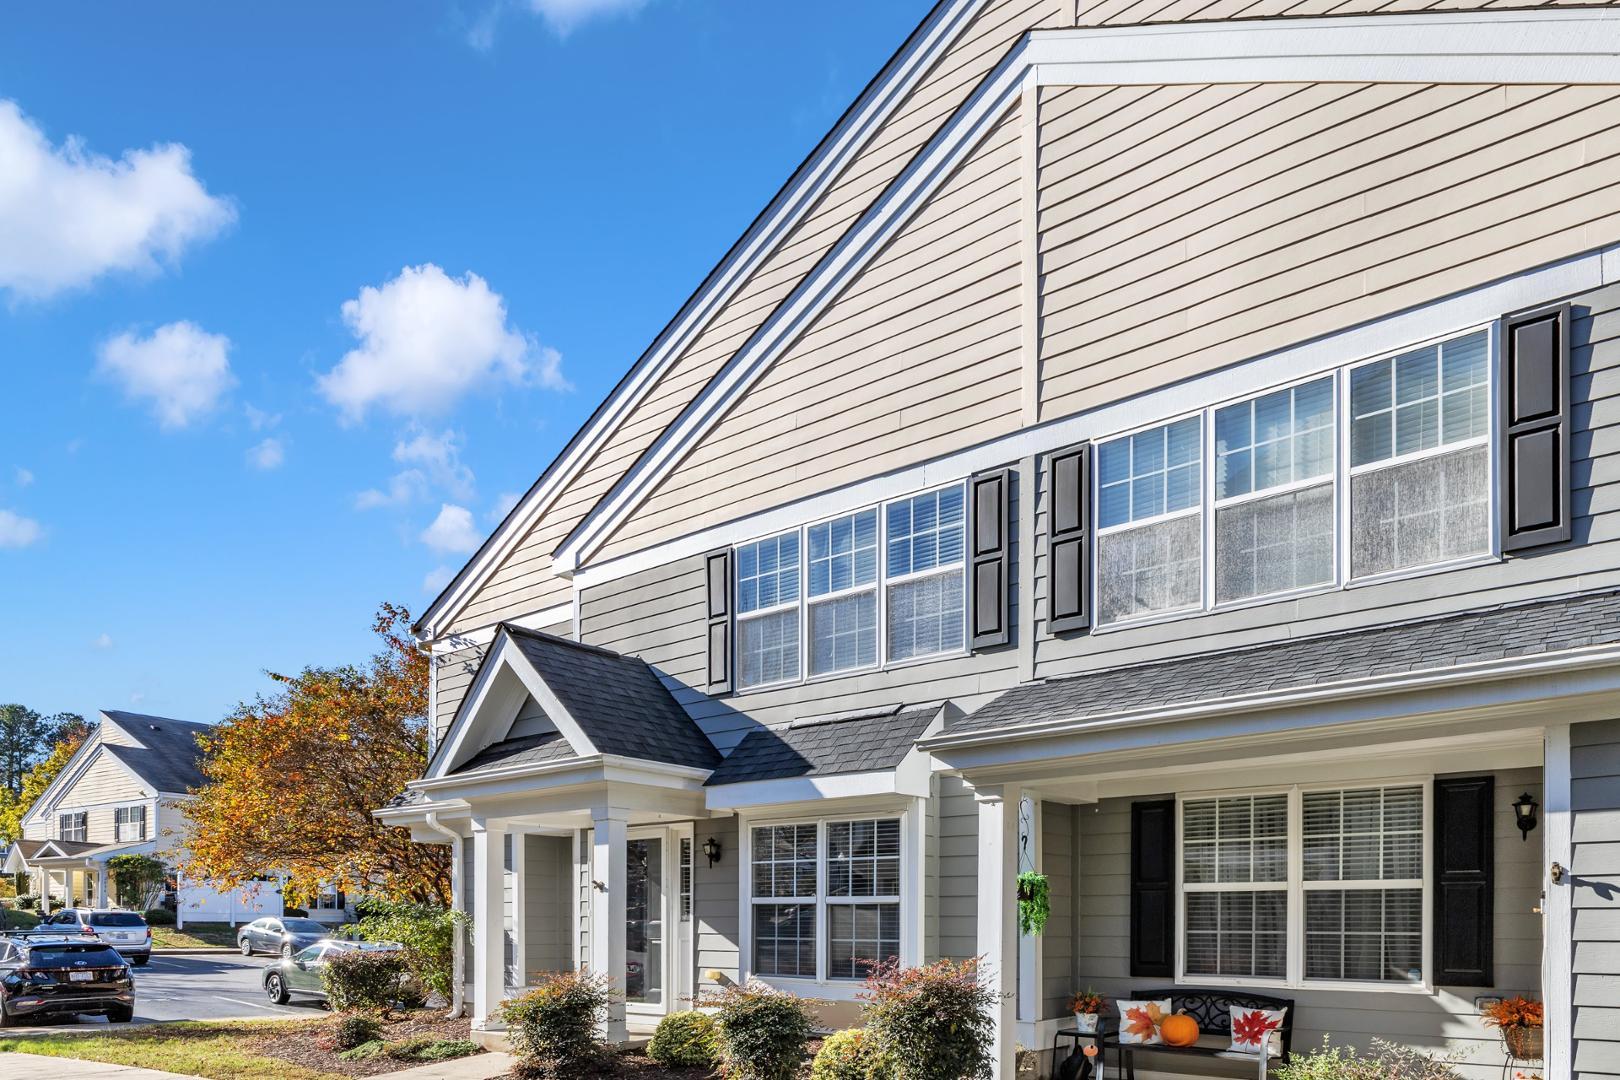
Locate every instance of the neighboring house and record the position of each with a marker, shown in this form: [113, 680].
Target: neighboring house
[121, 794]
[1179, 456]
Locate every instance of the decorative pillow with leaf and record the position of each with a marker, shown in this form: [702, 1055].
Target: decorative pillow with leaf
[1252, 1028]
[1139, 1021]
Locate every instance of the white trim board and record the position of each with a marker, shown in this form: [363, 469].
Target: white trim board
[1572, 45]
[938, 31]
[1437, 319]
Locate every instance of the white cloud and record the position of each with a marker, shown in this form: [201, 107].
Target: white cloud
[504, 502]
[437, 578]
[259, 420]
[181, 370]
[267, 455]
[427, 339]
[564, 16]
[452, 532]
[68, 216]
[103, 641]
[25, 477]
[432, 462]
[17, 531]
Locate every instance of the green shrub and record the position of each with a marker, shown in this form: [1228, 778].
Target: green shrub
[1386, 1062]
[366, 980]
[355, 1029]
[932, 1022]
[684, 1039]
[445, 1049]
[762, 1032]
[159, 917]
[848, 1055]
[553, 1028]
[426, 933]
[365, 1051]
[17, 919]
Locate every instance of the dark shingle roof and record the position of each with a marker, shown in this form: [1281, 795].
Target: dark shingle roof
[1495, 633]
[619, 701]
[524, 750]
[169, 758]
[868, 743]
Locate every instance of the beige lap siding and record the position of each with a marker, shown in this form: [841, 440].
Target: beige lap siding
[453, 675]
[1443, 1022]
[1595, 894]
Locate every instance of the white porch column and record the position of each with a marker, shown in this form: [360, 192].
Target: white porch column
[1557, 905]
[998, 920]
[102, 899]
[489, 920]
[610, 881]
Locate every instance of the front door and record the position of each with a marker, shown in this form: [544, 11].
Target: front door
[657, 947]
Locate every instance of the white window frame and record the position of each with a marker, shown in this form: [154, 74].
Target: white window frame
[758, 613]
[881, 586]
[1340, 478]
[118, 827]
[908, 900]
[1297, 887]
[85, 828]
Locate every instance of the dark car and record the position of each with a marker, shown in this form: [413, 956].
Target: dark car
[62, 974]
[125, 931]
[300, 974]
[284, 935]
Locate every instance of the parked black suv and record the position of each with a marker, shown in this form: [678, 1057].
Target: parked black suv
[45, 973]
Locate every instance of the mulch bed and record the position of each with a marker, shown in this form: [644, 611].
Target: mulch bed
[635, 1065]
[307, 1046]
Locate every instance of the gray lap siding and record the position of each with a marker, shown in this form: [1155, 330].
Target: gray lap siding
[1595, 889]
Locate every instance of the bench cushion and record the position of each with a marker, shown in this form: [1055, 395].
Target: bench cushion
[1139, 1021]
[1252, 1028]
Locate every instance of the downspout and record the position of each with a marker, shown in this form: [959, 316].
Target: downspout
[458, 992]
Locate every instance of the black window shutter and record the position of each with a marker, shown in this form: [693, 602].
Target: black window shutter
[990, 556]
[1068, 513]
[1534, 456]
[1153, 888]
[718, 581]
[1464, 880]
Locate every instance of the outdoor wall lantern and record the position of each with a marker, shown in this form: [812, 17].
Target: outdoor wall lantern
[1524, 812]
[711, 848]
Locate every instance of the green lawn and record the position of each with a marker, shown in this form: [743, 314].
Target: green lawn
[223, 1051]
[194, 936]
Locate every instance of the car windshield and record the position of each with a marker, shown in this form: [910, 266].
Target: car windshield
[303, 926]
[116, 918]
[309, 955]
[58, 956]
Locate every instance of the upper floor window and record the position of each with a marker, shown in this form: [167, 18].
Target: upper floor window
[1150, 520]
[882, 584]
[74, 826]
[129, 824]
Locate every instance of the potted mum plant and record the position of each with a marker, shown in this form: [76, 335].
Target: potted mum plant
[1087, 1007]
[1519, 1021]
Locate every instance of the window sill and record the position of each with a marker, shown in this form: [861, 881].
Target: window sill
[1334, 986]
[1465, 562]
[824, 989]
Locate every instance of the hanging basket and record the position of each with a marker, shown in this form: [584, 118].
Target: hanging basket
[1034, 904]
[1523, 1043]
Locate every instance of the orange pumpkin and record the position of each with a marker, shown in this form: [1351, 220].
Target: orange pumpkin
[1179, 1029]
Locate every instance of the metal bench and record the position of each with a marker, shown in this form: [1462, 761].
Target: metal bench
[1212, 1009]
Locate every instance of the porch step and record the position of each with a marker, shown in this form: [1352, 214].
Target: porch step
[641, 1032]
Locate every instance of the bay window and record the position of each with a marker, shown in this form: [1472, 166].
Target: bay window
[1350, 910]
[1150, 521]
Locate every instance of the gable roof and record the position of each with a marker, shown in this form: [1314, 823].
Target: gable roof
[791, 205]
[871, 743]
[549, 747]
[168, 758]
[1430, 644]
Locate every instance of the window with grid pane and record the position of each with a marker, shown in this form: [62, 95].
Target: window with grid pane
[783, 859]
[1235, 886]
[863, 896]
[925, 566]
[768, 610]
[72, 826]
[1149, 516]
[1419, 490]
[1274, 519]
[1363, 858]
[129, 823]
[842, 568]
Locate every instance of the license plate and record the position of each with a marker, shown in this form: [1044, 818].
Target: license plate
[81, 976]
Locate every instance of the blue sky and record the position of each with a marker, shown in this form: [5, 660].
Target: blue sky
[292, 298]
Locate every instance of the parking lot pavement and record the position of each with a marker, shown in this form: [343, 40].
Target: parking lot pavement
[207, 986]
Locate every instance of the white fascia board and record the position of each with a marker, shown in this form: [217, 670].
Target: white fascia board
[1572, 45]
[56, 792]
[1516, 682]
[1472, 308]
[867, 116]
[761, 794]
[535, 620]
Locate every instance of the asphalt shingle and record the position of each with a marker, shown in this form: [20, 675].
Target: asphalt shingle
[868, 743]
[524, 750]
[169, 758]
[1494, 633]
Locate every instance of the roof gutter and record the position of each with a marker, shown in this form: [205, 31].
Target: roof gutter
[458, 991]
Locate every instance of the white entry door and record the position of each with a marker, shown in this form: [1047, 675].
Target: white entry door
[657, 943]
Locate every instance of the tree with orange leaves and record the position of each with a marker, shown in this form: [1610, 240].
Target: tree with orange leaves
[292, 780]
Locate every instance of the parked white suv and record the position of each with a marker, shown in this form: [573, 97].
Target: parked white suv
[125, 931]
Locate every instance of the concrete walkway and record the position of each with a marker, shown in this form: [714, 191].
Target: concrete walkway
[478, 1067]
[39, 1067]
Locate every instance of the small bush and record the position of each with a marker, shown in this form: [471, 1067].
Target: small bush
[931, 1022]
[365, 1051]
[1385, 1062]
[159, 917]
[28, 901]
[18, 919]
[362, 980]
[355, 1029]
[762, 1032]
[848, 1055]
[427, 934]
[445, 1049]
[553, 1028]
[684, 1039]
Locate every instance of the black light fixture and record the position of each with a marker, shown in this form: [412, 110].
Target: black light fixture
[1524, 812]
[711, 848]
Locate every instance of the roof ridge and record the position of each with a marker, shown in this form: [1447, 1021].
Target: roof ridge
[1575, 594]
[838, 718]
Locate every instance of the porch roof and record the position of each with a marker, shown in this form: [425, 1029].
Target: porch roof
[1430, 644]
[868, 743]
[524, 750]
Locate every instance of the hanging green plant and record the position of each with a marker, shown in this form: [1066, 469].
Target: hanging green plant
[1034, 904]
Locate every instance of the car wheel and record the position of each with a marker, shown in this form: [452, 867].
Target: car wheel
[286, 948]
[142, 960]
[275, 990]
[120, 1014]
[246, 946]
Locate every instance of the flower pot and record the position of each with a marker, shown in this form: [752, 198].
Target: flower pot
[1523, 1043]
[1086, 1023]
